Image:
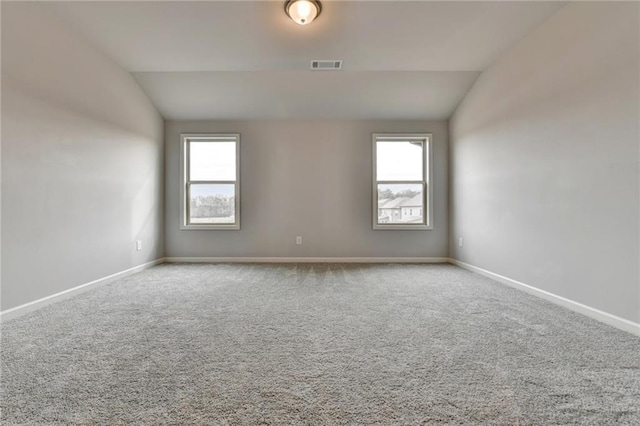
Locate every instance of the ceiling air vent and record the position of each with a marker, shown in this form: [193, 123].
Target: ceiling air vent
[326, 65]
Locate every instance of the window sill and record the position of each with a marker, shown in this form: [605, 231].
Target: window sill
[235, 227]
[400, 227]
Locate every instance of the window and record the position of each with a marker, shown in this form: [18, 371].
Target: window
[210, 191]
[402, 192]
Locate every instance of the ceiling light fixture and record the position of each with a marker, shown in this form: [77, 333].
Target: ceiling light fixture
[302, 12]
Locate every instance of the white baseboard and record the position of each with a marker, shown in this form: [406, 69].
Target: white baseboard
[307, 259]
[37, 304]
[604, 317]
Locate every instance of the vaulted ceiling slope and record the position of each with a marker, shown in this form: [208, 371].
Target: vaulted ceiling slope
[248, 60]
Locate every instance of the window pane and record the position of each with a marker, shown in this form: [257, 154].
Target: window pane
[212, 160]
[399, 160]
[401, 203]
[209, 203]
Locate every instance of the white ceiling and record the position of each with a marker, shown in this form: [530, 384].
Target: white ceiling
[247, 60]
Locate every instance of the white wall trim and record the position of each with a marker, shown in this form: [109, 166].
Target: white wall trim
[66, 294]
[604, 317]
[307, 259]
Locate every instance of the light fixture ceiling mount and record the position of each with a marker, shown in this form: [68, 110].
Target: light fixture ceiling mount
[302, 12]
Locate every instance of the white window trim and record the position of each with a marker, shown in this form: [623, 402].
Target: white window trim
[184, 182]
[427, 139]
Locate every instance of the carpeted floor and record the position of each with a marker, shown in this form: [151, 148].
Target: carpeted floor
[314, 345]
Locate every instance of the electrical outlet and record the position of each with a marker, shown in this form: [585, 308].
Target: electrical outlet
[460, 242]
[138, 245]
[298, 240]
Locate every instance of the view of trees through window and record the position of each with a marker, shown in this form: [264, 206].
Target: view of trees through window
[212, 209]
[388, 194]
[212, 203]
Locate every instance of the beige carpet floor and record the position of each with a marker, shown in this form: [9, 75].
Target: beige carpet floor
[314, 345]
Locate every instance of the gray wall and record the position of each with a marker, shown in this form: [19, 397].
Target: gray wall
[82, 161]
[544, 161]
[308, 178]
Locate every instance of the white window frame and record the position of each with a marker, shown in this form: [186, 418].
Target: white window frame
[185, 183]
[427, 202]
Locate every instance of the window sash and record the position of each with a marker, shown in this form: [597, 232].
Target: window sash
[421, 142]
[185, 219]
[427, 190]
